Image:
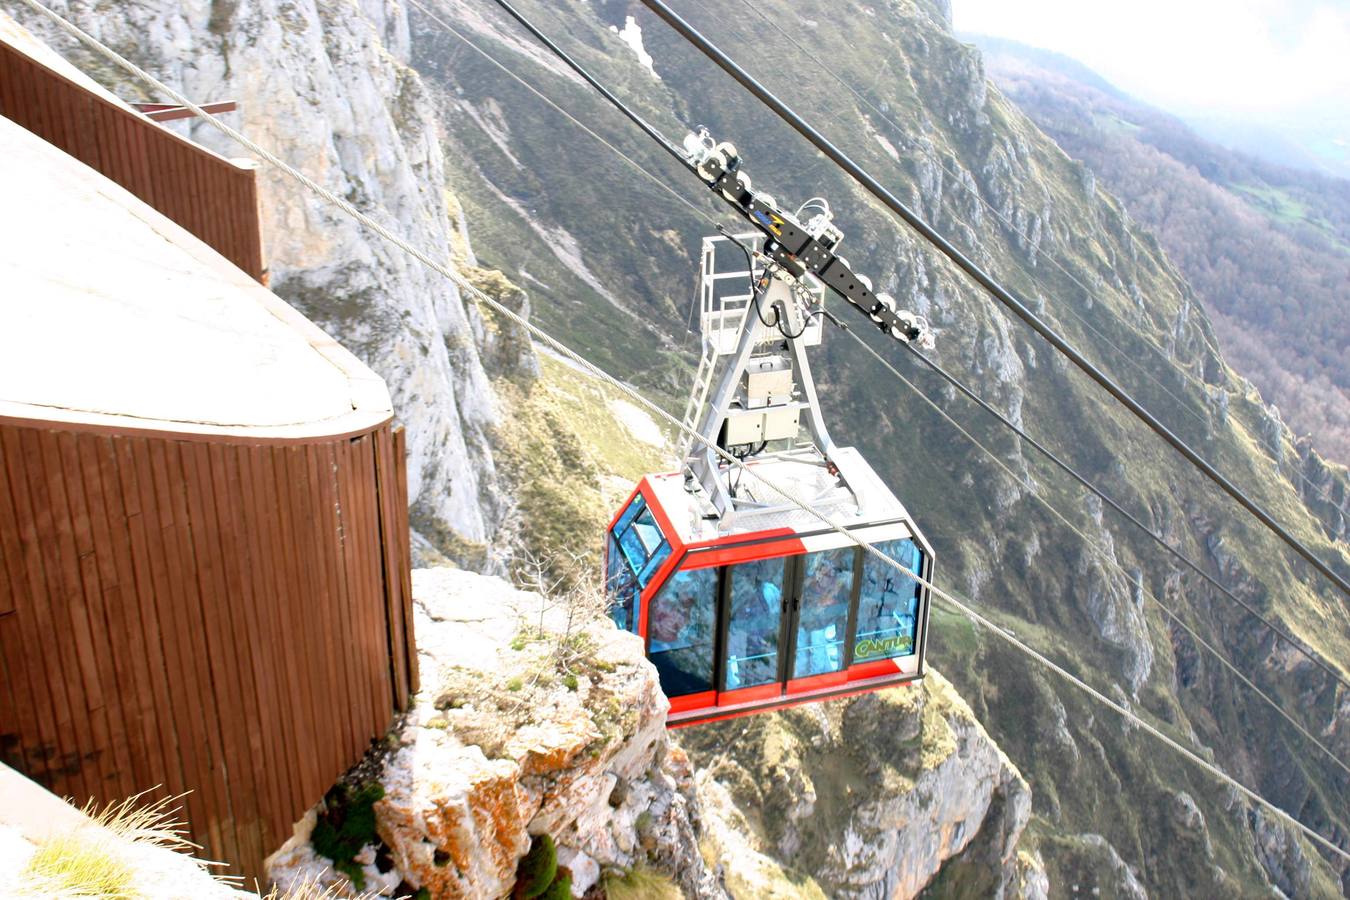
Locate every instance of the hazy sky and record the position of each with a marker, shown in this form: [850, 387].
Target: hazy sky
[1265, 60]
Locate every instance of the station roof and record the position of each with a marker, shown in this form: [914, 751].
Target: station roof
[112, 314]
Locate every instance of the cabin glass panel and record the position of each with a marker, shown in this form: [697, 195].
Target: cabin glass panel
[620, 587]
[635, 550]
[888, 604]
[822, 619]
[755, 623]
[682, 630]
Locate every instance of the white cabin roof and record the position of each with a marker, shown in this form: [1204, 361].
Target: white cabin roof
[110, 313]
[812, 483]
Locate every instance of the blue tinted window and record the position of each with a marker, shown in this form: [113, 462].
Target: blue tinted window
[888, 605]
[621, 588]
[636, 549]
[645, 528]
[629, 514]
[681, 628]
[822, 620]
[661, 555]
[756, 611]
[633, 551]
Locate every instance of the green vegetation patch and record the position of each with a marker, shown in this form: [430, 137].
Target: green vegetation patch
[346, 824]
[538, 874]
[79, 863]
[571, 459]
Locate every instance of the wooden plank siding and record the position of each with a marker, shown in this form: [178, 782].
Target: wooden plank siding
[206, 614]
[210, 196]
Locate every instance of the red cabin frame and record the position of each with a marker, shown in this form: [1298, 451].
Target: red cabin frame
[837, 659]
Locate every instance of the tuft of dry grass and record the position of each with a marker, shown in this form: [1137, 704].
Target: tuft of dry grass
[91, 860]
[155, 824]
[310, 889]
[640, 883]
[79, 863]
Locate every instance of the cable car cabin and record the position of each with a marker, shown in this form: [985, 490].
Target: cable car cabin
[747, 602]
[780, 609]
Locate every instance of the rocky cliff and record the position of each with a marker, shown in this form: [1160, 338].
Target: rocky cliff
[530, 722]
[865, 798]
[327, 87]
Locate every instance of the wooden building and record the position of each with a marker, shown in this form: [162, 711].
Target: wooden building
[204, 561]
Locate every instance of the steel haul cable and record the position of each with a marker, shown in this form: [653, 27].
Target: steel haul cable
[1012, 226]
[1282, 634]
[481, 297]
[1059, 463]
[992, 287]
[1051, 456]
[1298, 646]
[1168, 611]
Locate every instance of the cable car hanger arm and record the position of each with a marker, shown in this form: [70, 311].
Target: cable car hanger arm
[792, 247]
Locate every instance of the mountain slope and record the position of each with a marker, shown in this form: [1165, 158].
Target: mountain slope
[610, 262]
[1266, 248]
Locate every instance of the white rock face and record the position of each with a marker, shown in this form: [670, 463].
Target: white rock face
[325, 86]
[504, 744]
[869, 797]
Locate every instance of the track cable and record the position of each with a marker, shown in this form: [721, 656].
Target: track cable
[937, 160]
[859, 175]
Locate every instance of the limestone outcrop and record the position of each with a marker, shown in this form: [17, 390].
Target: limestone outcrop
[526, 725]
[866, 798]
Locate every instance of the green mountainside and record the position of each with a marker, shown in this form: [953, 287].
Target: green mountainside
[610, 263]
[1266, 247]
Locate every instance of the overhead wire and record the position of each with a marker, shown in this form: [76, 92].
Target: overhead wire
[1049, 255]
[482, 297]
[970, 394]
[1105, 555]
[1293, 642]
[634, 164]
[956, 383]
[1161, 541]
[754, 295]
[859, 175]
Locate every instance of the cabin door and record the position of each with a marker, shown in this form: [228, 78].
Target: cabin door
[819, 622]
[757, 600]
[787, 624]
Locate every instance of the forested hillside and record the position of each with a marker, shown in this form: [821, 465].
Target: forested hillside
[1266, 248]
[610, 262]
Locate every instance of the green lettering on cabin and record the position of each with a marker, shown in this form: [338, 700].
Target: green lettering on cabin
[870, 648]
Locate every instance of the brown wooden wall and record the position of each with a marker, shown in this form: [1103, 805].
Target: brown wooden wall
[208, 195]
[227, 618]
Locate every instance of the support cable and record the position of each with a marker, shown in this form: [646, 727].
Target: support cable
[951, 379]
[590, 79]
[1115, 564]
[992, 287]
[1069, 470]
[636, 166]
[1051, 456]
[511, 315]
[937, 160]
